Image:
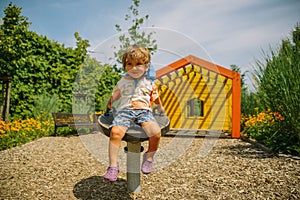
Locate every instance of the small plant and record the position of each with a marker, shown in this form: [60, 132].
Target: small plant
[261, 125]
[44, 106]
[269, 128]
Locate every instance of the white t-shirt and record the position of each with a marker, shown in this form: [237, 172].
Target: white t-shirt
[135, 94]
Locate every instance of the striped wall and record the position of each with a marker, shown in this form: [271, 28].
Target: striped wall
[194, 82]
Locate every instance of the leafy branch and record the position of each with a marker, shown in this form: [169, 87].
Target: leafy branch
[134, 34]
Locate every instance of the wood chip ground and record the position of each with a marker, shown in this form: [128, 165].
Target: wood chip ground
[64, 168]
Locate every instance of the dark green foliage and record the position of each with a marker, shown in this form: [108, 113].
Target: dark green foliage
[37, 64]
[279, 90]
[109, 79]
[248, 99]
[44, 106]
[95, 83]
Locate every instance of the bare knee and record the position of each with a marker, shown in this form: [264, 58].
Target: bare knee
[117, 133]
[156, 136]
[152, 129]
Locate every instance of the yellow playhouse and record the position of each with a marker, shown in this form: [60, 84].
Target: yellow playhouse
[198, 94]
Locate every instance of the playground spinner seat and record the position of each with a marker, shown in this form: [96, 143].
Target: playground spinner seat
[134, 136]
[135, 133]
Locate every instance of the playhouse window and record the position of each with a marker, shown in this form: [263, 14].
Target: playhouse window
[195, 108]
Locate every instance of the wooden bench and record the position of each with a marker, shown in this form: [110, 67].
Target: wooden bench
[74, 121]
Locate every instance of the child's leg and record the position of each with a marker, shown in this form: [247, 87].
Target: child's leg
[116, 135]
[153, 146]
[153, 131]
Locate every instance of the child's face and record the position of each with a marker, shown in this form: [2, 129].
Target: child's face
[136, 68]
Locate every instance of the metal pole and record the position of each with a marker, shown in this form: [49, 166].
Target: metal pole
[133, 166]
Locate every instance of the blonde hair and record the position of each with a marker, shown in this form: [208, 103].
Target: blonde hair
[136, 52]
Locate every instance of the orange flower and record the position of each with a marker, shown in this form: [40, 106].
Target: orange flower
[15, 129]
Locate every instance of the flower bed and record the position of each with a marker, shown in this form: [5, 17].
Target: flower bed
[22, 131]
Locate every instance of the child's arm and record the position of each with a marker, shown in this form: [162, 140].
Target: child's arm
[160, 107]
[156, 99]
[114, 97]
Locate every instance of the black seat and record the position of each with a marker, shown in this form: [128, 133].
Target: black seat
[135, 132]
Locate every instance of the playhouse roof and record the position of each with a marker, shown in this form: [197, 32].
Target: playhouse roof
[194, 61]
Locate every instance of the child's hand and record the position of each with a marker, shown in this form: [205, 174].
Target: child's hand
[160, 108]
[108, 107]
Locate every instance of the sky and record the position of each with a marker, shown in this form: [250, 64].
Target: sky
[225, 32]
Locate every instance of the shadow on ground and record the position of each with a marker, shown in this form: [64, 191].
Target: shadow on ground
[247, 150]
[96, 187]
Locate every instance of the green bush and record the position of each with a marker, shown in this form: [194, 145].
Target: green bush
[94, 84]
[44, 106]
[278, 86]
[266, 127]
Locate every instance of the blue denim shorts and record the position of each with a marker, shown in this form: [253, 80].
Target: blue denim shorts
[127, 116]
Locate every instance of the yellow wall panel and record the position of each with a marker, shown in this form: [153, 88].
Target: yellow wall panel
[196, 82]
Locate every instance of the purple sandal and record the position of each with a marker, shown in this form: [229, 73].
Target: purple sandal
[111, 174]
[147, 165]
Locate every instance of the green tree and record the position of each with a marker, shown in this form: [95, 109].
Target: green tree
[95, 83]
[38, 65]
[106, 84]
[135, 33]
